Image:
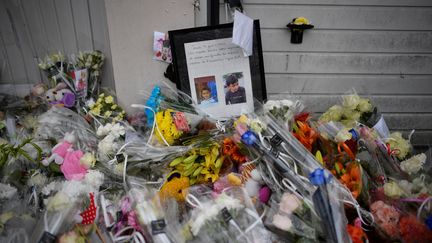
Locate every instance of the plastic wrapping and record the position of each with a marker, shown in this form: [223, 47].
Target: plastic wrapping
[230, 217]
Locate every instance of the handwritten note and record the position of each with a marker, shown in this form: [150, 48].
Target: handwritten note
[212, 52]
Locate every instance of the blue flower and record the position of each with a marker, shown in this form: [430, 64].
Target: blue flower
[428, 222]
[153, 102]
[249, 138]
[320, 177]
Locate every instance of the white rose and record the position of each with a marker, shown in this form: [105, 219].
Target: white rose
[392, 189]
[351, 101]
[334, 113]
[413, 164]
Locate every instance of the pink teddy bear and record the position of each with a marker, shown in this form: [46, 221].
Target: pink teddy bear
[61, 149]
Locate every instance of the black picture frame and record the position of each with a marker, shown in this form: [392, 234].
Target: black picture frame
[179, 37]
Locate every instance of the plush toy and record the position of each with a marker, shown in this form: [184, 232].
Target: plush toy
[254, 186]
[50, 95]
[71, 167]
[65, 97]
[60, 95]
[60, 150]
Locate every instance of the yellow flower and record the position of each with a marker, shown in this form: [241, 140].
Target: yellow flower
[109, 99]
[99, 100]
[101, 95]
[175, 188]
[213, 177]
[166, 127]
[301, 20]
[113, 107]
[96, 110]
[107, 113]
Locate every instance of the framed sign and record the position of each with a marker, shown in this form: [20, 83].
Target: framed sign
[214, 71]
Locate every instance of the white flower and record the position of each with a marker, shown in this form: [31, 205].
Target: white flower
[334, 113]
[392, 190]
[343, 135]
[88, 160]
[107, 145]
[51, 187]
[289, 203]
[94, 178]
[58, 201]
[7, 191]
[406, 186]
[117, 130]
[211, 210]
[257, 126]
[104, 130]
[413, 164]
[351, 101]
[397, 142]
[270, 105]
[364, 105]
[351, 114]
[90, 102]
[37, 180]
[282, 222]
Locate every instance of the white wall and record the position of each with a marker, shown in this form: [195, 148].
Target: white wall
[382, 48]
[30, 30]
[131, 25]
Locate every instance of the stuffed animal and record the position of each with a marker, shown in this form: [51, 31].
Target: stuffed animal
[254, 186]
[65, 97]
[50, 95]
[71, 167]
[60, 150]
[60, 95]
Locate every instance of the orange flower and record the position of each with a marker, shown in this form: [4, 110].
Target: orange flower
[357, 234]
[305, 134]
[231, 149]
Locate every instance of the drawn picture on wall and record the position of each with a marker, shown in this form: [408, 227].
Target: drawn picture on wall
[235, 93]
[206, 90]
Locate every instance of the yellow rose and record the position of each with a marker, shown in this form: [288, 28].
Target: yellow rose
[113, 107]
[109, 99]
[351, 101]
[88, 160]
[99, 100]
[96, 110]
[364, 105]
[101, 95]
[301, 20]
[334, 113]
[107, 113]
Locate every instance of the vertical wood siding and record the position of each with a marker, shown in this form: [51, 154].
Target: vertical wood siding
[381, 48]
[30, 30]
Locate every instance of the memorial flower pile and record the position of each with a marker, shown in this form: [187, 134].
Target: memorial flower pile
[84, 170]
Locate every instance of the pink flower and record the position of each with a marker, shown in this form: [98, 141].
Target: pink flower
[181, 122]
[387, 218]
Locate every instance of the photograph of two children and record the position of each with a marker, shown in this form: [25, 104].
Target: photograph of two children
[233, 92]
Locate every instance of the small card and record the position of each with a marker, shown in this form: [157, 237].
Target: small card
[158, 226]
[161, 47]
[80, 78]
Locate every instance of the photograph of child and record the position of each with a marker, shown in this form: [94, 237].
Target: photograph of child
[206, 90]
[234, 92]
